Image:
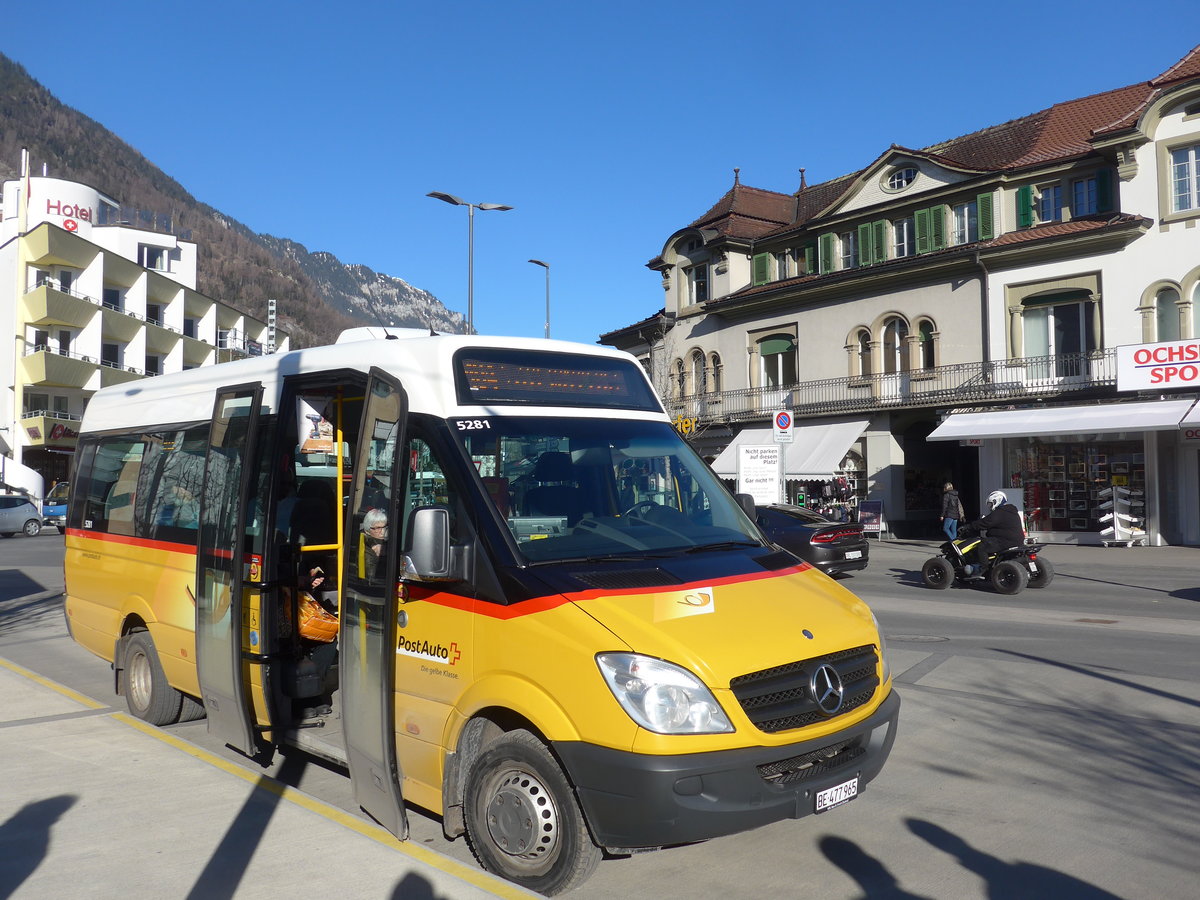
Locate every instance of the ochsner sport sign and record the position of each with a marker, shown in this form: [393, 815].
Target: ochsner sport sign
[1163, 366]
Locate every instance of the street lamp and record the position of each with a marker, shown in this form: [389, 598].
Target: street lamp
[546, 266]
[471, 207]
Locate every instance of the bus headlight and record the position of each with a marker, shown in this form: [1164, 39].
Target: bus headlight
[662, 697]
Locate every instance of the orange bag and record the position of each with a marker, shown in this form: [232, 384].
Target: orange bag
[316, 622]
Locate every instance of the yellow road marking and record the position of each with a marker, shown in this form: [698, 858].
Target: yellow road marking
[53, 685]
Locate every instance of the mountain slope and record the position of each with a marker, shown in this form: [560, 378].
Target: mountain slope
[318, 294]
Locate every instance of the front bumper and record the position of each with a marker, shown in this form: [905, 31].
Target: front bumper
[636, 801]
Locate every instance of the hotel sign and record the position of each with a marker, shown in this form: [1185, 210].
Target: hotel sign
[1168, 365]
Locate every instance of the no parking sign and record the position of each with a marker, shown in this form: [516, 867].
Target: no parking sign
[783, 427]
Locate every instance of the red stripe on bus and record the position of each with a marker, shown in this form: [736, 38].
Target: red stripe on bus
[529, 607]
[147, 543]
[549, 602]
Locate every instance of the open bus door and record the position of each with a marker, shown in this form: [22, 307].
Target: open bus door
[367, 646]
[221, 578]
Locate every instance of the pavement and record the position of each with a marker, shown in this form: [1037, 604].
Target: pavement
[96, 803]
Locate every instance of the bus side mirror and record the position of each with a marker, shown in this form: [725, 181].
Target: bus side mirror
[746, 502]
[429, 557]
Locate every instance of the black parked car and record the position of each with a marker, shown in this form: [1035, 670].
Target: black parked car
[832, 547]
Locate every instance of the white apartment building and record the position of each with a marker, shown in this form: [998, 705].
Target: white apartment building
[954, 313]
[95, 294]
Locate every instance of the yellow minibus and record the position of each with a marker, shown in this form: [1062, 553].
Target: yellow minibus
[486, 577]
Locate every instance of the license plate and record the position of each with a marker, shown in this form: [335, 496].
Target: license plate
[853, 554]
[1032, 567]
[836, 796]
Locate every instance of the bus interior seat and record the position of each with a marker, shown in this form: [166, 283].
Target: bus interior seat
[557, 493]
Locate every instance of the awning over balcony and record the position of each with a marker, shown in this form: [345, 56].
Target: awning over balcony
[816, 450]
[1157, 415]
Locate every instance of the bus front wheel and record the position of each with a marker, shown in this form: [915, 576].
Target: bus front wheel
[523, 821]
[144, 683]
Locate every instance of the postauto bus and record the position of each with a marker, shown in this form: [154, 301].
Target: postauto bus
[566, 639]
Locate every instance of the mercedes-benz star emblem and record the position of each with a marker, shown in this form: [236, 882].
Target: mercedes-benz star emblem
[825, 685]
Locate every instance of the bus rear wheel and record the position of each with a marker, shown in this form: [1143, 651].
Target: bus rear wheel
[144, 683]
[523, 821]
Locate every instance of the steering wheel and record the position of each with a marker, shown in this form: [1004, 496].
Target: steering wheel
[646, 504]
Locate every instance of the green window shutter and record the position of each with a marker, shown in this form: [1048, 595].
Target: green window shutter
[826, 246]
[1104, 192]
[881, 240]
[810, 259]
[937, 227]
[761, 267]
[1024, 206]
[866, 246]
[987, 227]
[921, 222]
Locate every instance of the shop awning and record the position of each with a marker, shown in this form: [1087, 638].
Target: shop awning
[1156, 415]
[1192, 418]
[816, 450]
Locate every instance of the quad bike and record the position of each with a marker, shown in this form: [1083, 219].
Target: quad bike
[1010, 571]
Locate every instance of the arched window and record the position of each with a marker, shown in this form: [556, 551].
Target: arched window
[677, 379]
[863, 340]
[699, 382]
[1166, 314]
[895, 330]
[714, 367]
[777, 355]
[927, 358]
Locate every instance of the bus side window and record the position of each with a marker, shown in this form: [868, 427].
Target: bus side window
[430, 483]
[78, 497]
[427, 486]
[172, 485]
[112, 489]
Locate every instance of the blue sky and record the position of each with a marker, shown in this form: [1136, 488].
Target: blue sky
[606, 126]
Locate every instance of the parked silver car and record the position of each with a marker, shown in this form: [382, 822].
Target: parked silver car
[18, 514]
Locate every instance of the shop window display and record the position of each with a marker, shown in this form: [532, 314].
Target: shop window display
[1061, 482]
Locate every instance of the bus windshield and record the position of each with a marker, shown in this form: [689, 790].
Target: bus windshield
[572, 488]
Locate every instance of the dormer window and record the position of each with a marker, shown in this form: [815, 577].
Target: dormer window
[697, 284]
[899, 179]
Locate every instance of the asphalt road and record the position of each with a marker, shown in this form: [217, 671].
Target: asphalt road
[1049, 744]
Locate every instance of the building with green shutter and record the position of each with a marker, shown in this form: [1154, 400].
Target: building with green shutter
[954, 313]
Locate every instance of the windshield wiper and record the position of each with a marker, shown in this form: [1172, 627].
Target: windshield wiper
[722, 545]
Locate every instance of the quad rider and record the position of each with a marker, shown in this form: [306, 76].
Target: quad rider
[1001, 528]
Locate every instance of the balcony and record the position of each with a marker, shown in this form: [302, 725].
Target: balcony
[964, 384]
[48, 304]
[113, 373]
[161, 338]
[46, 368]
[196, 352]
[49, 428]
